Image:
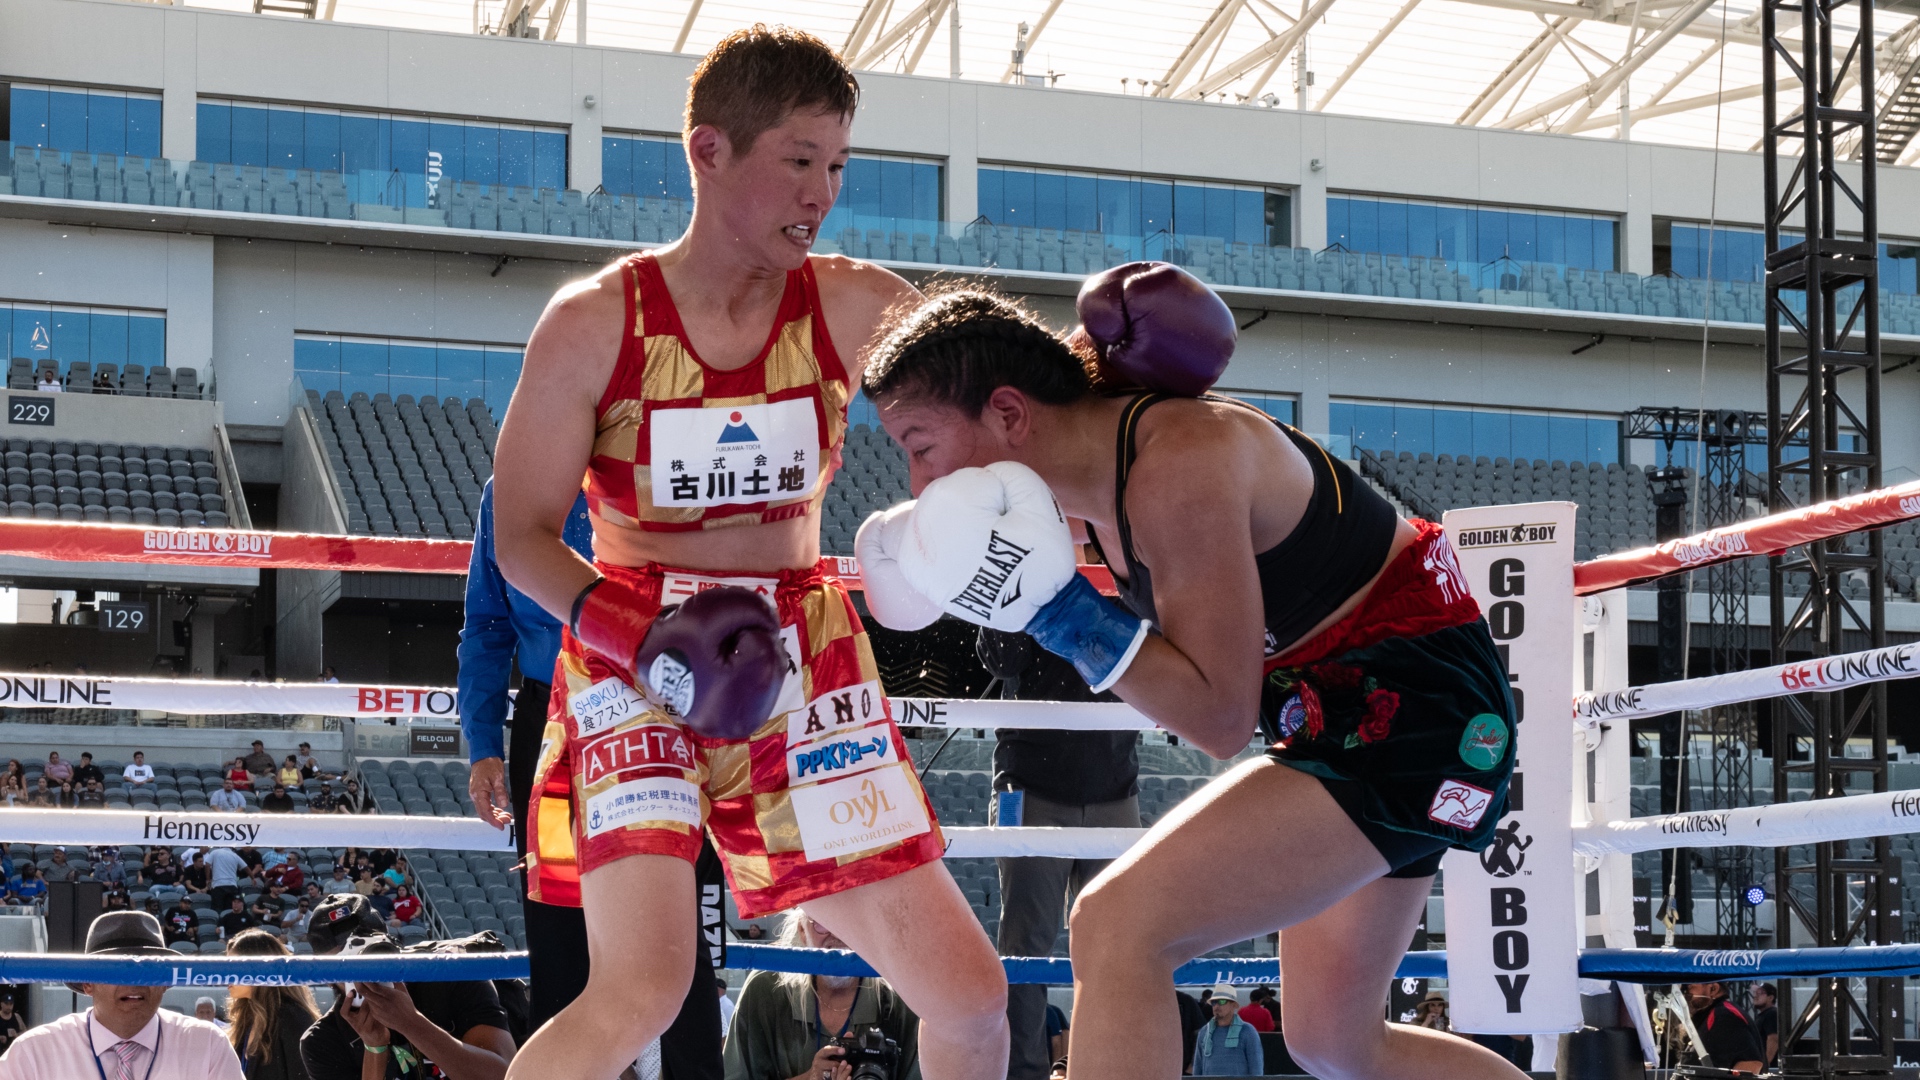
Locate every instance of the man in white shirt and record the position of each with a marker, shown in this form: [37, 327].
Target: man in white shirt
[139, 772]
[227, 867]
[125, 1033]
[338, 883]
[227, 798]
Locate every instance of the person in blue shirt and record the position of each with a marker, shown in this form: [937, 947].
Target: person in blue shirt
[1228, 1046]
[505, 628]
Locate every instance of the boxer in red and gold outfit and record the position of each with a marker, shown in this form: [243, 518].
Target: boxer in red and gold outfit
[712, 674]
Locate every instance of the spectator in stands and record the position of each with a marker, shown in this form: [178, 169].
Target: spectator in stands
[1062, 778]
[49, 382]
[42, 794]
[406, 907]
[784, 1024]
[327, 675]
[1766, 1020]
[11, 1023]
[197, 876]
[56, 769]
[363, 881]
[1272, 1005]
[1057, 1027]
[354, 801]
[116, 900]
[238, 776]
[272, 858]
[236, 918]
[161, 874]
[227, 866]
[67, 796]
[1229, 1046]
[293, 921]
[125, 1033]
[1255, 1013]
[228, 798]
[277, 801]
[103, 384]
[290, 874]
[205, 1008]
[313, 894]
[182, 923]
[93, 798]
[290, 776]
[322, 801]
[267, 908]
[58, 868]
[1193, 1017]
[338, 883]
[381, 899]
[1725, 1031]
[268, 1021]
[310, 765]
[458, 1028]
[1432, 1012]
[400, 873]
[107, 867]
[87, 772]
[138, 773]
[259, 764]
[13, 783]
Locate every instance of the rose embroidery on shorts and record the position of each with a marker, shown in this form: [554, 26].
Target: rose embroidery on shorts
[1381, 705]
[1310, 701]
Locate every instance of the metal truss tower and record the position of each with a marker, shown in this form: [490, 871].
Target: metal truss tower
[1823, 386]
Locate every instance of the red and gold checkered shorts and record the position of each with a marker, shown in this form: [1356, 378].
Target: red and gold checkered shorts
[820, 799]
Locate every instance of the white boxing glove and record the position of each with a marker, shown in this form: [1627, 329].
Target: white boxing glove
[890, 599]
[988, 545]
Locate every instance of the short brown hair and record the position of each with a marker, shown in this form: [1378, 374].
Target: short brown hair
[753, 78]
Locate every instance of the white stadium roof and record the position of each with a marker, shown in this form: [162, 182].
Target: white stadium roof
[1541, 65]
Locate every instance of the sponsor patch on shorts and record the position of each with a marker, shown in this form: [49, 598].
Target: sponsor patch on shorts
[1459, 805]
[1484, 742]
[679, 588]
[604, 706]
[844, 754]
[643, 746]
[1293, 716]
[642, 801]
[843, 818]
[837, 711]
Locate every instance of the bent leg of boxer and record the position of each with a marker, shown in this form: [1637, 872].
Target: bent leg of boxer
[640, 970]
[1298, 862]
[919, 933]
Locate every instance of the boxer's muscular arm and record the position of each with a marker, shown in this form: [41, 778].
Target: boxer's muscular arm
[1189, 505]
[547, 438]
[857, 297]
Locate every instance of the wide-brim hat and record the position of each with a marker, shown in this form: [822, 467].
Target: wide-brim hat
[124, 933]
[1223, 992]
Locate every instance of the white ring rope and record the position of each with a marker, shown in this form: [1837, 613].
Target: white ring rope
[1811, 821]
[1801, 677]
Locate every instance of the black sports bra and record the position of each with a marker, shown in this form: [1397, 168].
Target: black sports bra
[1339, 545]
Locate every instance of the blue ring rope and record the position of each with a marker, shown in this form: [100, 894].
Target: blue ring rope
[1625, 965]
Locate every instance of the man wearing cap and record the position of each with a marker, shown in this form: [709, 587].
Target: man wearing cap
[1229, 1046]
[125, 1033]
[399, 1029]
[260, 766]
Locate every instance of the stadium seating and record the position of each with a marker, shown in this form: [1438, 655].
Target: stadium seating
[872, 476]
[134, 381]
[61, 479]
[406, 467]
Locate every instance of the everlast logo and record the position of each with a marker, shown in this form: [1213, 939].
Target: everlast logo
[982, 594]
[1695, 823]
[221, 832]
[1506, 535]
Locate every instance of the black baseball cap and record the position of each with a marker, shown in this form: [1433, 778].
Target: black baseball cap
[339, 917]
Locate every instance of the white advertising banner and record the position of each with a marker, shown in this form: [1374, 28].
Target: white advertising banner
[1513, 912]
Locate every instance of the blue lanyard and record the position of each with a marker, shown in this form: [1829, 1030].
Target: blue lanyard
[820, 1027]
[102, 1069]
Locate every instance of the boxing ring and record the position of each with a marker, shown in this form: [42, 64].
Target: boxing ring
[1517, 915]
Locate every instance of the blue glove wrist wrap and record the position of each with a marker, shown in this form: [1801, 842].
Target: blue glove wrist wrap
[1093, 633]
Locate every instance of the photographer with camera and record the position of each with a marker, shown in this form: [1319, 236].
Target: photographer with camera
[399, 1030]
[820, 1027]
[1070, 779]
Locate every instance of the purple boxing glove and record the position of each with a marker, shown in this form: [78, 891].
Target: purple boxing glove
[1157, 326]
[715, 661]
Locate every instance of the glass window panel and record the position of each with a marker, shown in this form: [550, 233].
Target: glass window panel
[316, 357]
[1492, 434]
[1018, 193]
[516, 157]
[1049, 200]
[1532, 436]
[32, 333]
[927, 202]
[503, 372]
[1339, 222]
[108, 333]
[359, 144]
[213, 132]
[1390, 228]
[481, 164]
[1217, 212]
[1567, 438]
[462, 371]
[616, 164]
[409, 148]
[66, 120]
[1340, 419]
[322, 148]
[1156, 207]
[1363, 225]
[896, 189]
[143, 127]
[1603, 441]
[249, 135]
[1189, 209]
[1373, 426]
[550, 159]
[1279, 210]
[286, 139]
[146, 340]
[1250, 217]
[412, 360]
[71, 332]
[1452, 431]
[364, 366]
[449, 140]
[1083, 203]
[106, 123]
[1413, 429]
[27, 117]
[990, 198]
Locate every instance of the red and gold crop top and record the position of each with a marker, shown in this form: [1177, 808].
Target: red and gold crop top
[680, 446]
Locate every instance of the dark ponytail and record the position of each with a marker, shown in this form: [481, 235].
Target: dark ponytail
[958, 347]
